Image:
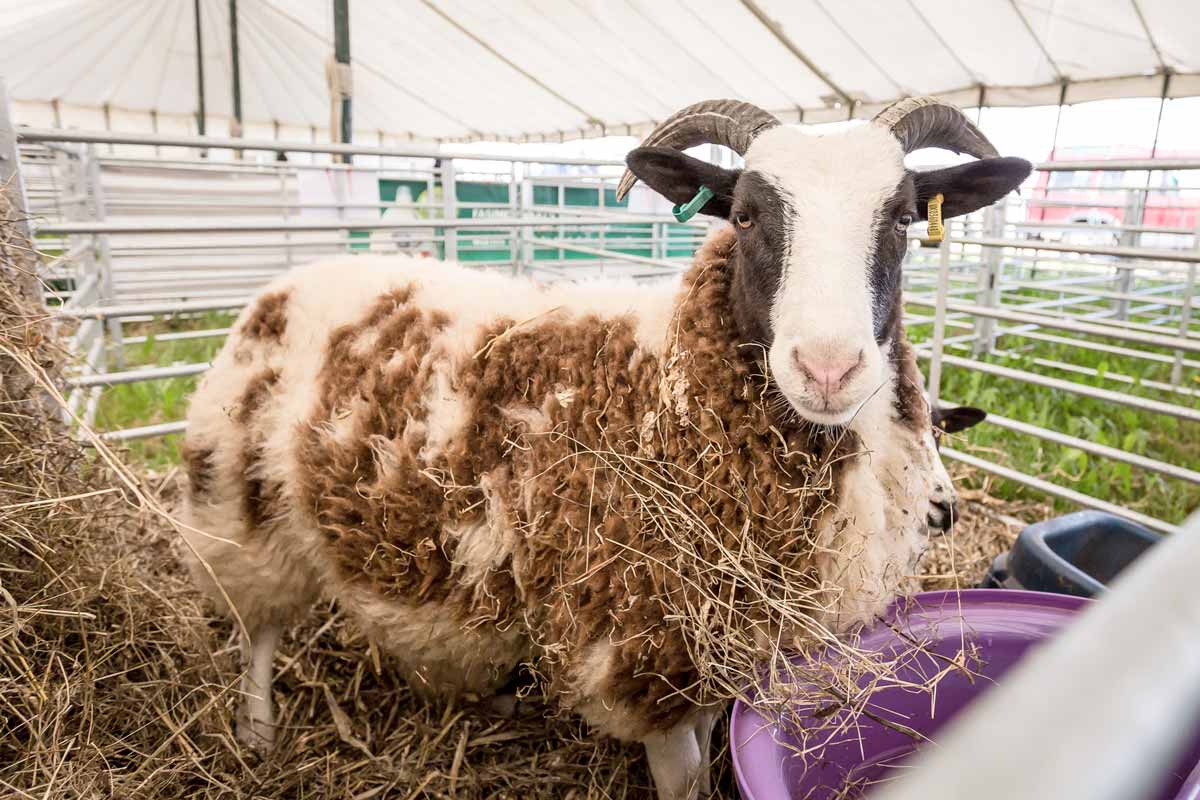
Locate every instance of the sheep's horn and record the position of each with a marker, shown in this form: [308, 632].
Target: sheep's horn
[928, 122]
[729, 122]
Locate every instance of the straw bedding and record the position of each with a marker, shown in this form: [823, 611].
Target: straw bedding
[116, 681]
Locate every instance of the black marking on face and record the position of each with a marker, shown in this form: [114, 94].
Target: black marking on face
[760, 255]
[884, 269]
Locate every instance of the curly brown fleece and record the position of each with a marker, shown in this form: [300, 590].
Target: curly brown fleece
[597, 462]
[575, 436]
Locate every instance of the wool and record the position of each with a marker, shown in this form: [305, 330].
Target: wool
[570, 522]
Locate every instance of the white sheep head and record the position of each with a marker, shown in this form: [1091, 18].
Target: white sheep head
[821, 224]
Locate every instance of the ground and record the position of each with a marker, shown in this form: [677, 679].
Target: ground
[139, 678]
[117, 680]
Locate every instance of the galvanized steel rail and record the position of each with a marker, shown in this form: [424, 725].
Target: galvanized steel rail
[1123, 299]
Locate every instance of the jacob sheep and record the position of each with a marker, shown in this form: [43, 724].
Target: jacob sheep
[450, 453]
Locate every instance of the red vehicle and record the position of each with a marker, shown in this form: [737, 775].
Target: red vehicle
[1157, 199]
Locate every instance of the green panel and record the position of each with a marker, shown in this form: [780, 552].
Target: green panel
[545, 195]
[389, 188]
[495, 245]
[579, 196]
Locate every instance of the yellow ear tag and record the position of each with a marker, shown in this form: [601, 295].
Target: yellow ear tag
[937, 231]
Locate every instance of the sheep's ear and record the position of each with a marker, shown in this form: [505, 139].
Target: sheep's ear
[678, 177]
[955, 420]
[969, 186]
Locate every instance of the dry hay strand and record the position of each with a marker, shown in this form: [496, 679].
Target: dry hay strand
[115, 680]
[985, 528]
[750, 605]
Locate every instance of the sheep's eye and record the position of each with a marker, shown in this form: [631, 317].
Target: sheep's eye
[743, 219]
[903, 223]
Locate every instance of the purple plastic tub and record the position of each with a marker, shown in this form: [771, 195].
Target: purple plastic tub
[1002, 624]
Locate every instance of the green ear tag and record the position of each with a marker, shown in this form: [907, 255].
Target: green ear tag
[688, 210]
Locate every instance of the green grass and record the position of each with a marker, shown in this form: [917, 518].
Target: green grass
[149, 402]
[1153, 435]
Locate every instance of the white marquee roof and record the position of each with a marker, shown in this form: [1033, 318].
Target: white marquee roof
[547, 69]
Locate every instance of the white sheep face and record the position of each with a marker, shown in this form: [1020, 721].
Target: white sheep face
[839, 242]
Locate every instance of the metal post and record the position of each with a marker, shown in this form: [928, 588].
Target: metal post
[514, 208]
[1185, 318]
[603, 228]
[285, 199]
[10, 164]
[341, 191]
[104, 252]
[990, 278]
[1135, 214]
[200, 113]
[235, 63]
[939, 321]
[87, 274]
[558, 232]
[526, 261]
[17, 248]
[342, 83]
[449, 208]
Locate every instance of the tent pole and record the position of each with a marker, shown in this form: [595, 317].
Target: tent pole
[199, 70]
[1062, 96]
[1162, 106]
[342, 85]
[235, 62]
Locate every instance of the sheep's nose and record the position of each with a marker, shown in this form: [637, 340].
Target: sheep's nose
[827, 374]
[942, 514]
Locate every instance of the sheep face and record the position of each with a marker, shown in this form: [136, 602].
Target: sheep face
[822, 227]
[944, 507]
[821, 221]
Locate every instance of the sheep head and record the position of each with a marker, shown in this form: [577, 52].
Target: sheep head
[821, 224]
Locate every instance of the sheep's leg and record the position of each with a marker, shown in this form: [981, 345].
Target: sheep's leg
[704, 730]
[256, 720]
[675, 762]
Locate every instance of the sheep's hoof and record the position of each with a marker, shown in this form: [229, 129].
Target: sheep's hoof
[256, 734]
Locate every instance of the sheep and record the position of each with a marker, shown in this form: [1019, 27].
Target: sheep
[449, 453]
[948, 420]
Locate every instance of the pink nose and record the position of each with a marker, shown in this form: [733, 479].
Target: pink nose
[828, 374]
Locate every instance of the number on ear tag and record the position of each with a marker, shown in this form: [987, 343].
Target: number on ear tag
[937, 231]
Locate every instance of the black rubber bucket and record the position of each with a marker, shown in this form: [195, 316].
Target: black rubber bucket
[1077, 554]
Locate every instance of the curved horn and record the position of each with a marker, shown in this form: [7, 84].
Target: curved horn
[928, 122]
[729, 122]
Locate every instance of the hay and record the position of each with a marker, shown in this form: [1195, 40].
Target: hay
[985, 528]
[116, 681]
[748, 605]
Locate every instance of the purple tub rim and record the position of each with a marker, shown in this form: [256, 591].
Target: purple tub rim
[918, 602]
